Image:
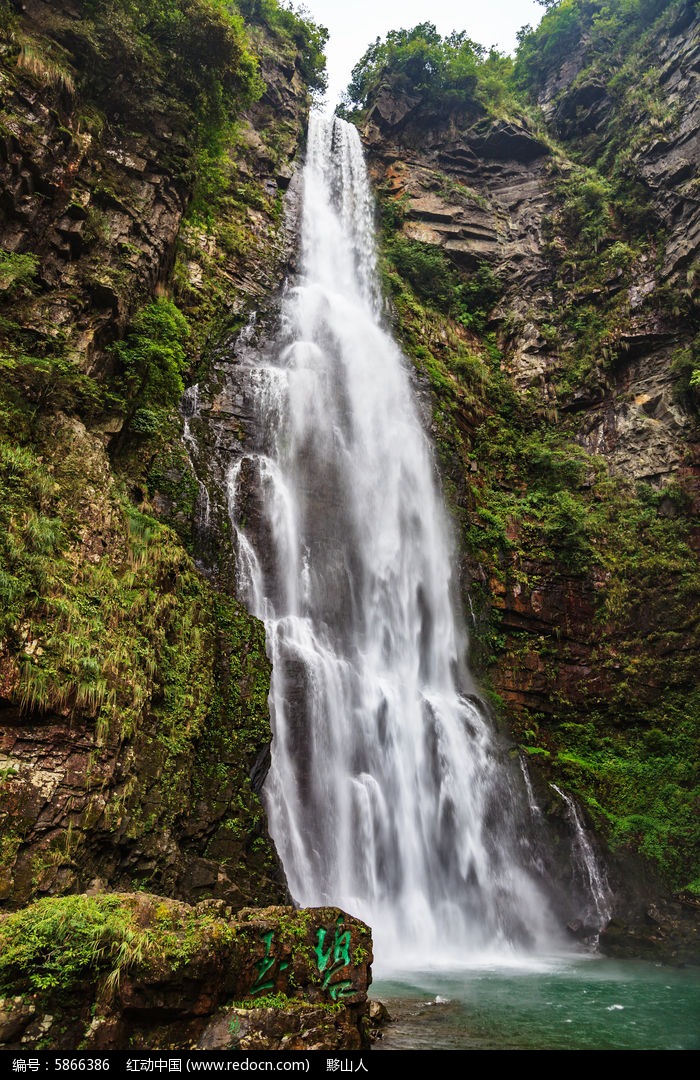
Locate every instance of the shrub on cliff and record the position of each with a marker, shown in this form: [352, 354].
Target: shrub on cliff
[153, 360]
[57, 944]
[309, 37]
[189, 56]
[448, 72]
[597, 27]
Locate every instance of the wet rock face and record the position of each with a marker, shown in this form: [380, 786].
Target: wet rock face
[94, 182]
[578, 103]
[486, 191]
[649, 923]
[475, 191]
[73, 822]
[87, 798]
[96, 175]
[481, 192]
[637, 417]
[559, 608]
[81, 201]
[639, 425]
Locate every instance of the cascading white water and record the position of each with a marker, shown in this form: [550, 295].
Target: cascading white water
[189, 407]
[387, 795]
[595, 883]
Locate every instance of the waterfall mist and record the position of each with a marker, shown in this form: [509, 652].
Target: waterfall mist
[388, 794]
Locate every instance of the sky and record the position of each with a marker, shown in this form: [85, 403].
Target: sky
[354, 24]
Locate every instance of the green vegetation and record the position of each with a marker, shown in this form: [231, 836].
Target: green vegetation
[639, 785]
[542, 518]
[36, 385]
[153, 361]
[586, 214]
[608, 27]
[308, 37]
[444, 73]
[270, 1001]
[17, 272]
[616, 43]
[94, 639]
[232, 219]
[57, 946]
[107, 623]
[686, 363]
[468, 298]
[195, 50]
[282, 1001]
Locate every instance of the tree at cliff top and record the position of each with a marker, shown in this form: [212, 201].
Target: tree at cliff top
[453, 71]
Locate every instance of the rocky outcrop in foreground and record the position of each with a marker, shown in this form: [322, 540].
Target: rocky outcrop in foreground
[114, 970]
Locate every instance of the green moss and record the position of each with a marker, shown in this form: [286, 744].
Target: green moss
[283, 1002]
[134, 642]
[153, 361]
[171, 478]
[269, 1001]
[58, 945]
[17, 272]
[34, 385]
[640, 785]
[236, 733]
[686, 366]
[55, 945]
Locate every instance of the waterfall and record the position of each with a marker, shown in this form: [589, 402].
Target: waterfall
[598, 910]
[189, 408]
[534, 809]
[388, 794]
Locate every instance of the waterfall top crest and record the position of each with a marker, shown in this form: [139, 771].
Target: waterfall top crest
[338, 242]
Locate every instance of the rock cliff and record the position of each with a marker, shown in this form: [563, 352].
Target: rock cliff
[541, 264]
[122, 671]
